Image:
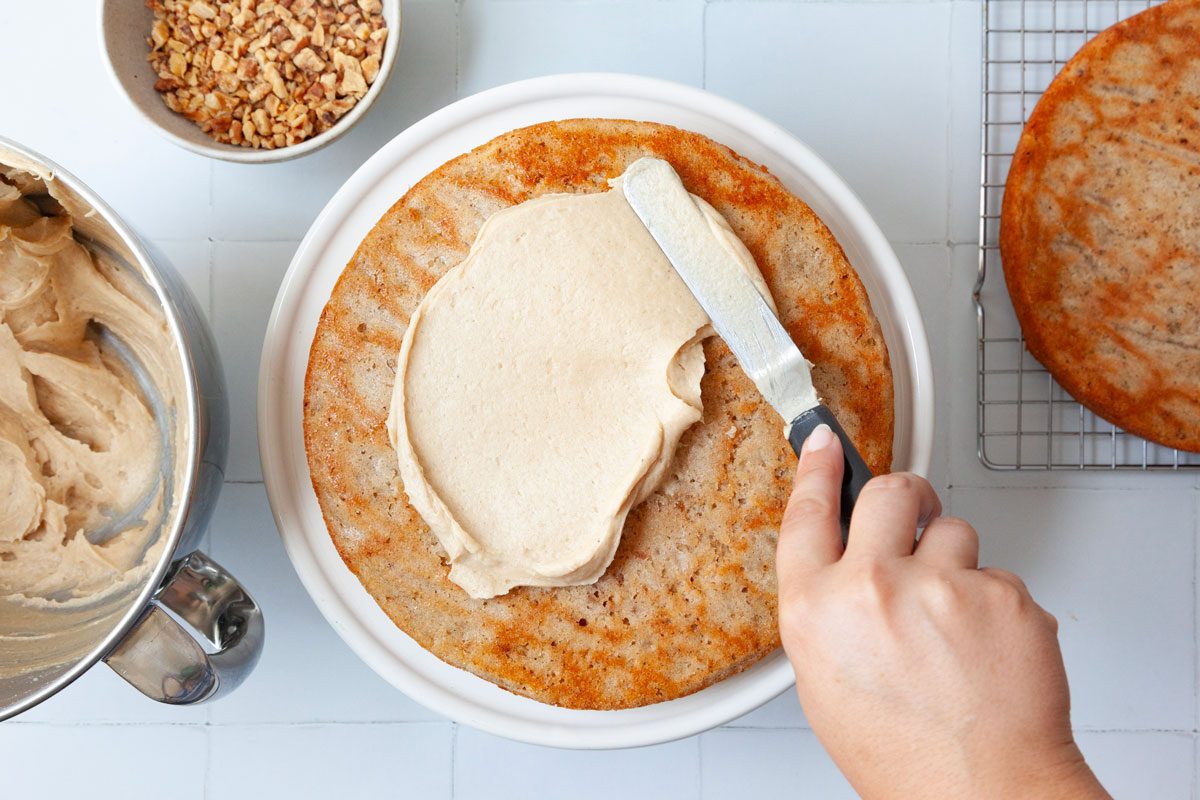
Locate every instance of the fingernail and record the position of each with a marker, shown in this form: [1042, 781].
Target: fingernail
[819, 439]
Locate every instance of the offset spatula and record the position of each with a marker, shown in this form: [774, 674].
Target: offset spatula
[738, 312]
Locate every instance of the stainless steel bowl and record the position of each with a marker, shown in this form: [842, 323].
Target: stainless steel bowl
[131, 632]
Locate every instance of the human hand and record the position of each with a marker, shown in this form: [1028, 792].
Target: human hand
[922, 675]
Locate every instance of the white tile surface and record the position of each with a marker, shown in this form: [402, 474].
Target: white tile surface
[928, 270]
[318, 762]
[1115, 568]
[307, 673]
[782, 712]
[507, 41]
[887, 92]
[142, 762]
[769, 764]
[489, 768]
[246, 277]
[865, 85]
[1141, 765]
[966, 21]
[89, 129]
[101, 696]
[192, 259]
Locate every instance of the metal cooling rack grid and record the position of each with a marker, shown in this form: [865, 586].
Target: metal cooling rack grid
[1025, 420]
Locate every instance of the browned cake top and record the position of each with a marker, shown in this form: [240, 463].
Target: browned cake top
[1100, 231]
[690, 596]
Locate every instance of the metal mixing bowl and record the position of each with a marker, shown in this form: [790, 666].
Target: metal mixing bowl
[47, 648]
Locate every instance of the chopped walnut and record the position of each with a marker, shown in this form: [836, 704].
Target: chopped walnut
[265, 73]
[349, 67]
[307, 59]
[370, 68]
[223, 62]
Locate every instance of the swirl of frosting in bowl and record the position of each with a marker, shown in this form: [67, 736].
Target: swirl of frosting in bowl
[82, 482]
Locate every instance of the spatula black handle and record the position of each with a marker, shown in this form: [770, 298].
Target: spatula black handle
[857, 472]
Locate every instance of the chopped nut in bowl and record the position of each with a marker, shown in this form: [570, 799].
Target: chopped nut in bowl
[251, 80]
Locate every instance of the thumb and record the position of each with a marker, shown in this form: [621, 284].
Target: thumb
[811, 534]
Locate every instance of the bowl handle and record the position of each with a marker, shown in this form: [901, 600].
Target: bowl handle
[165, 662]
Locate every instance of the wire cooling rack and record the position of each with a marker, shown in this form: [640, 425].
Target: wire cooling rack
[1024, 419]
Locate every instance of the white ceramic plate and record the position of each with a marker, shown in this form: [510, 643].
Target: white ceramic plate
[331, 242]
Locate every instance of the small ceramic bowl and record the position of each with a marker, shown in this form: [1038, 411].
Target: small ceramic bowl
[124, 28]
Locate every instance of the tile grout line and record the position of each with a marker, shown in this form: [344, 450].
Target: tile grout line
[212, 258]
[950, 127]
[458, 9]
[209, 725]
[1195, 642]
[212, 285]
[212, 195]
[948, 353]
[732, 726]
[214, 726]
[453, 756]
[837, 2]
[1065, 487]
[251, 240]
[208, 748]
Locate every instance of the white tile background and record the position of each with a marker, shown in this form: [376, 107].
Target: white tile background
[887, 93]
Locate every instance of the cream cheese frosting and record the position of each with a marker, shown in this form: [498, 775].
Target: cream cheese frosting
[82, 483]
[542, 387]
